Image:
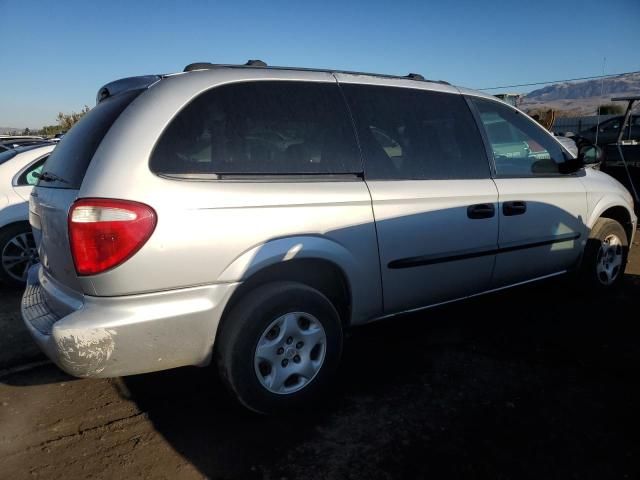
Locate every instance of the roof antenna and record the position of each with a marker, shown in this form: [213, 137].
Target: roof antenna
[604, 61]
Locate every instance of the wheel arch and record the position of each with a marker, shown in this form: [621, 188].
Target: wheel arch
[13, 214]
[320, 274]
[317, 261]
[14, 223]
[616, 210]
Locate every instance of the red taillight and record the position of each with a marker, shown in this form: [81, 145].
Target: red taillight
[104, 233]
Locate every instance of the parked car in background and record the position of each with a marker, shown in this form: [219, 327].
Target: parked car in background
[246, 216]
[4, 137]
[20, 138]
[57, 137]
[569, 144]
[18, 170]
[607, 136]
[607, 132]
[23, 143]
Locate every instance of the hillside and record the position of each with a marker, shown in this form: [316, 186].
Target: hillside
[10, 130]
[582, 98]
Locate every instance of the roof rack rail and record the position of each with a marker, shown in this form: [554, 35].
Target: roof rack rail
[255, 63]
[207, 65]
[261, 64]
[417, 76]
[198, 66]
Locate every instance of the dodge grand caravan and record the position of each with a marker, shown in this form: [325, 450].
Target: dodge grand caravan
[246, 215]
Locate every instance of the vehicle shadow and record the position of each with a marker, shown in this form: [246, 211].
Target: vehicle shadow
[519, 384]
[16, 344]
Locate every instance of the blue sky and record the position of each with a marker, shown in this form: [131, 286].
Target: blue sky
[57, 54]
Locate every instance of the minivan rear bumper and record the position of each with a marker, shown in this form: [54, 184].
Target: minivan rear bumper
[114, 336]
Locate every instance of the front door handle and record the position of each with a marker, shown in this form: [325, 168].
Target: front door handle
[517, 207]
[481, 210]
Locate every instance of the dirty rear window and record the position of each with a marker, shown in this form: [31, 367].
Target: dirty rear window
[70, 159]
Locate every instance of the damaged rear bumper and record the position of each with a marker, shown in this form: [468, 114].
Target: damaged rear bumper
[113, 336]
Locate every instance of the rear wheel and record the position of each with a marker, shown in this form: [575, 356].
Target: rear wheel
[605, 256]
[17, 253]
[279, 346]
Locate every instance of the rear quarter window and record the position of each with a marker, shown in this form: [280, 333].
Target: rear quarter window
[260, 128]
[70, 159]
[30, 175]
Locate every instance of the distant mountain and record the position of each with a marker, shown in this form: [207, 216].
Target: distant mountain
[582, 98]
[9, 130]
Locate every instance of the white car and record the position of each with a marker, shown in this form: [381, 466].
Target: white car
[18, 170]
[568, 143]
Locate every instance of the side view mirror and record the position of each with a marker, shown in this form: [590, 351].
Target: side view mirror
[590, 154]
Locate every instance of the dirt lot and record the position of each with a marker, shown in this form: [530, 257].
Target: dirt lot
[539, 382]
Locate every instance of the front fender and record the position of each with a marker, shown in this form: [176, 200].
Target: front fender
[606, 202]
[363, 276]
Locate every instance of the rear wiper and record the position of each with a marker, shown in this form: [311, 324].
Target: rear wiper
[49, 177]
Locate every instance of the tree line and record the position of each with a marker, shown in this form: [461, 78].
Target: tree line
[64, 122]
[67, 120]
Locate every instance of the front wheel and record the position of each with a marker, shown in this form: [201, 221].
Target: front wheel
[279, 346]
[605, 256]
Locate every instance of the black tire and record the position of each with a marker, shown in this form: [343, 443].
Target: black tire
[8, 276]
[245, 324]
[590, 276]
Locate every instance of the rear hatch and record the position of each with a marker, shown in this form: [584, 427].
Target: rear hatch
[60, 182]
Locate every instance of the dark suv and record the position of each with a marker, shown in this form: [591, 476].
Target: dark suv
[608, 131]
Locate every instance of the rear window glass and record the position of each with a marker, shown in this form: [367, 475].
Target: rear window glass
[70, 159]
[261, 128]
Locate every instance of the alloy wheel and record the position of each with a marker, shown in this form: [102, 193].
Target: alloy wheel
[609, 259]
[290, 352]
[18, 255]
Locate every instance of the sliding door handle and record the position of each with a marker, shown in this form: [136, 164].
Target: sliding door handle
[481, 210]
[516, 207]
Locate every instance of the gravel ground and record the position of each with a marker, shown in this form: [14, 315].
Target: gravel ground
[538, 382]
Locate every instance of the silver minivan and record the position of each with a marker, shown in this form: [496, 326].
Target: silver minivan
[245, 216]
